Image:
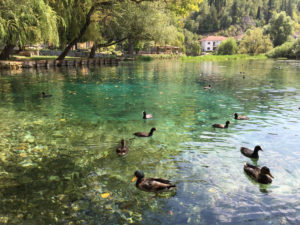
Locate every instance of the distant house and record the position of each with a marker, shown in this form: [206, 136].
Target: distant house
[83, 45]
[211, 43]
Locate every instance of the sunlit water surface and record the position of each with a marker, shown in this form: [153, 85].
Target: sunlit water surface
[58, 154]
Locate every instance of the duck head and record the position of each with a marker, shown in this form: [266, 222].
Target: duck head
[153, 129]
[236, 115]
[123, 142]
[138, 175]
[258, 148]
[265, 170]
[227, 122]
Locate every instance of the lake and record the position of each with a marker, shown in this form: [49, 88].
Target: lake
[58, 163]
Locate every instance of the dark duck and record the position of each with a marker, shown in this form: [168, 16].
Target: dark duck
[237, 117]
[251, 153]
[155, 185]
[123, 149]
[208, 87]
[145, 134]
[44, 95]
[146, 116]
[261, 175]
[221, 125]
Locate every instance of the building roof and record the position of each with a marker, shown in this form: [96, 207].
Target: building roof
[214, 38]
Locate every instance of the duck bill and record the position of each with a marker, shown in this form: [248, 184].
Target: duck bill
[133, 179]
[271, 175]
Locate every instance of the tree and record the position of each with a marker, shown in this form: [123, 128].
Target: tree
[228, 47]
[280, 28]
[191, 43]
[102, 8]
[29, 21]
[254, 42]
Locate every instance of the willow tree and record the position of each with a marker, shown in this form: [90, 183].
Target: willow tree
[101, 8]
[26, 21]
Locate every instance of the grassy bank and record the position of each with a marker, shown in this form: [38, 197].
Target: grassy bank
[199, 58]
[222, 57]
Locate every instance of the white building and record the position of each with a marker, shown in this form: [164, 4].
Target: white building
[211, 43]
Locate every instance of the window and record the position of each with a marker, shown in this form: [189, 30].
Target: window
[208, 48]
[208, 43]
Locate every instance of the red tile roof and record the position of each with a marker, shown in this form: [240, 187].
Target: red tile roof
[214, 38]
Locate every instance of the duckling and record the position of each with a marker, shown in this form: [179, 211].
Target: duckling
[155, 185]
[208, 87]
[261, 175]
[146, 116]
[237, 117]
[221, 125]
[123, 149]
[144, 134]
[251, 154]
[44, 95]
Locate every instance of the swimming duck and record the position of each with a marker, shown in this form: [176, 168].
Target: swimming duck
[251, 154]
[208, 87]
[261, 175]
[221, 125]
[44, 95]
[123, 149]
[237, 117]
[144, 134]
[155, 185]
[146, 116]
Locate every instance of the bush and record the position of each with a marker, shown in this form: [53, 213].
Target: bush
[227, 47]
[285, 50]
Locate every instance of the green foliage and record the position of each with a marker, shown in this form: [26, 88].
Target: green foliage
[191, 43]
[228, 47]
[254, 42]
[29, 21]
[285, 50]
[280, 28]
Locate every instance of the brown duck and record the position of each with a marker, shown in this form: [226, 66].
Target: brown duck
[221, 125]
[251, 153]
[155, 185]
[123, 149]
[237, 117]
[145, 134]
[261, 175]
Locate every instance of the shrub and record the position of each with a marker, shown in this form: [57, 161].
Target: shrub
[285, 50]
[227, 47]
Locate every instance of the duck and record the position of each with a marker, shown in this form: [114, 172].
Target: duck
[221, 125]
[123, 149]
[155, 185]
[144, 134]
[251, 153]
[44, 95]
[208, 87]
[261, 175]
[237, 117]
[146, 116]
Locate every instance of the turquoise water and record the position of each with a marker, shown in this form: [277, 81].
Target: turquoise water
[57, 155]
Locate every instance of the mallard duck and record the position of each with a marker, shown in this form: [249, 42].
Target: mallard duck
[237, 117]
[155, 185]
[251, 154]
[221, 125]
[261, 175]
[144, 134]
[44, 95]
[123, 149]
[146, 116]
[208, 87]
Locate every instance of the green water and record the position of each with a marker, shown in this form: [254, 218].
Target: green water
[57, 155]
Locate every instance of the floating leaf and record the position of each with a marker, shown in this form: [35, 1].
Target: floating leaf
[105, 195]
[63, 120]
